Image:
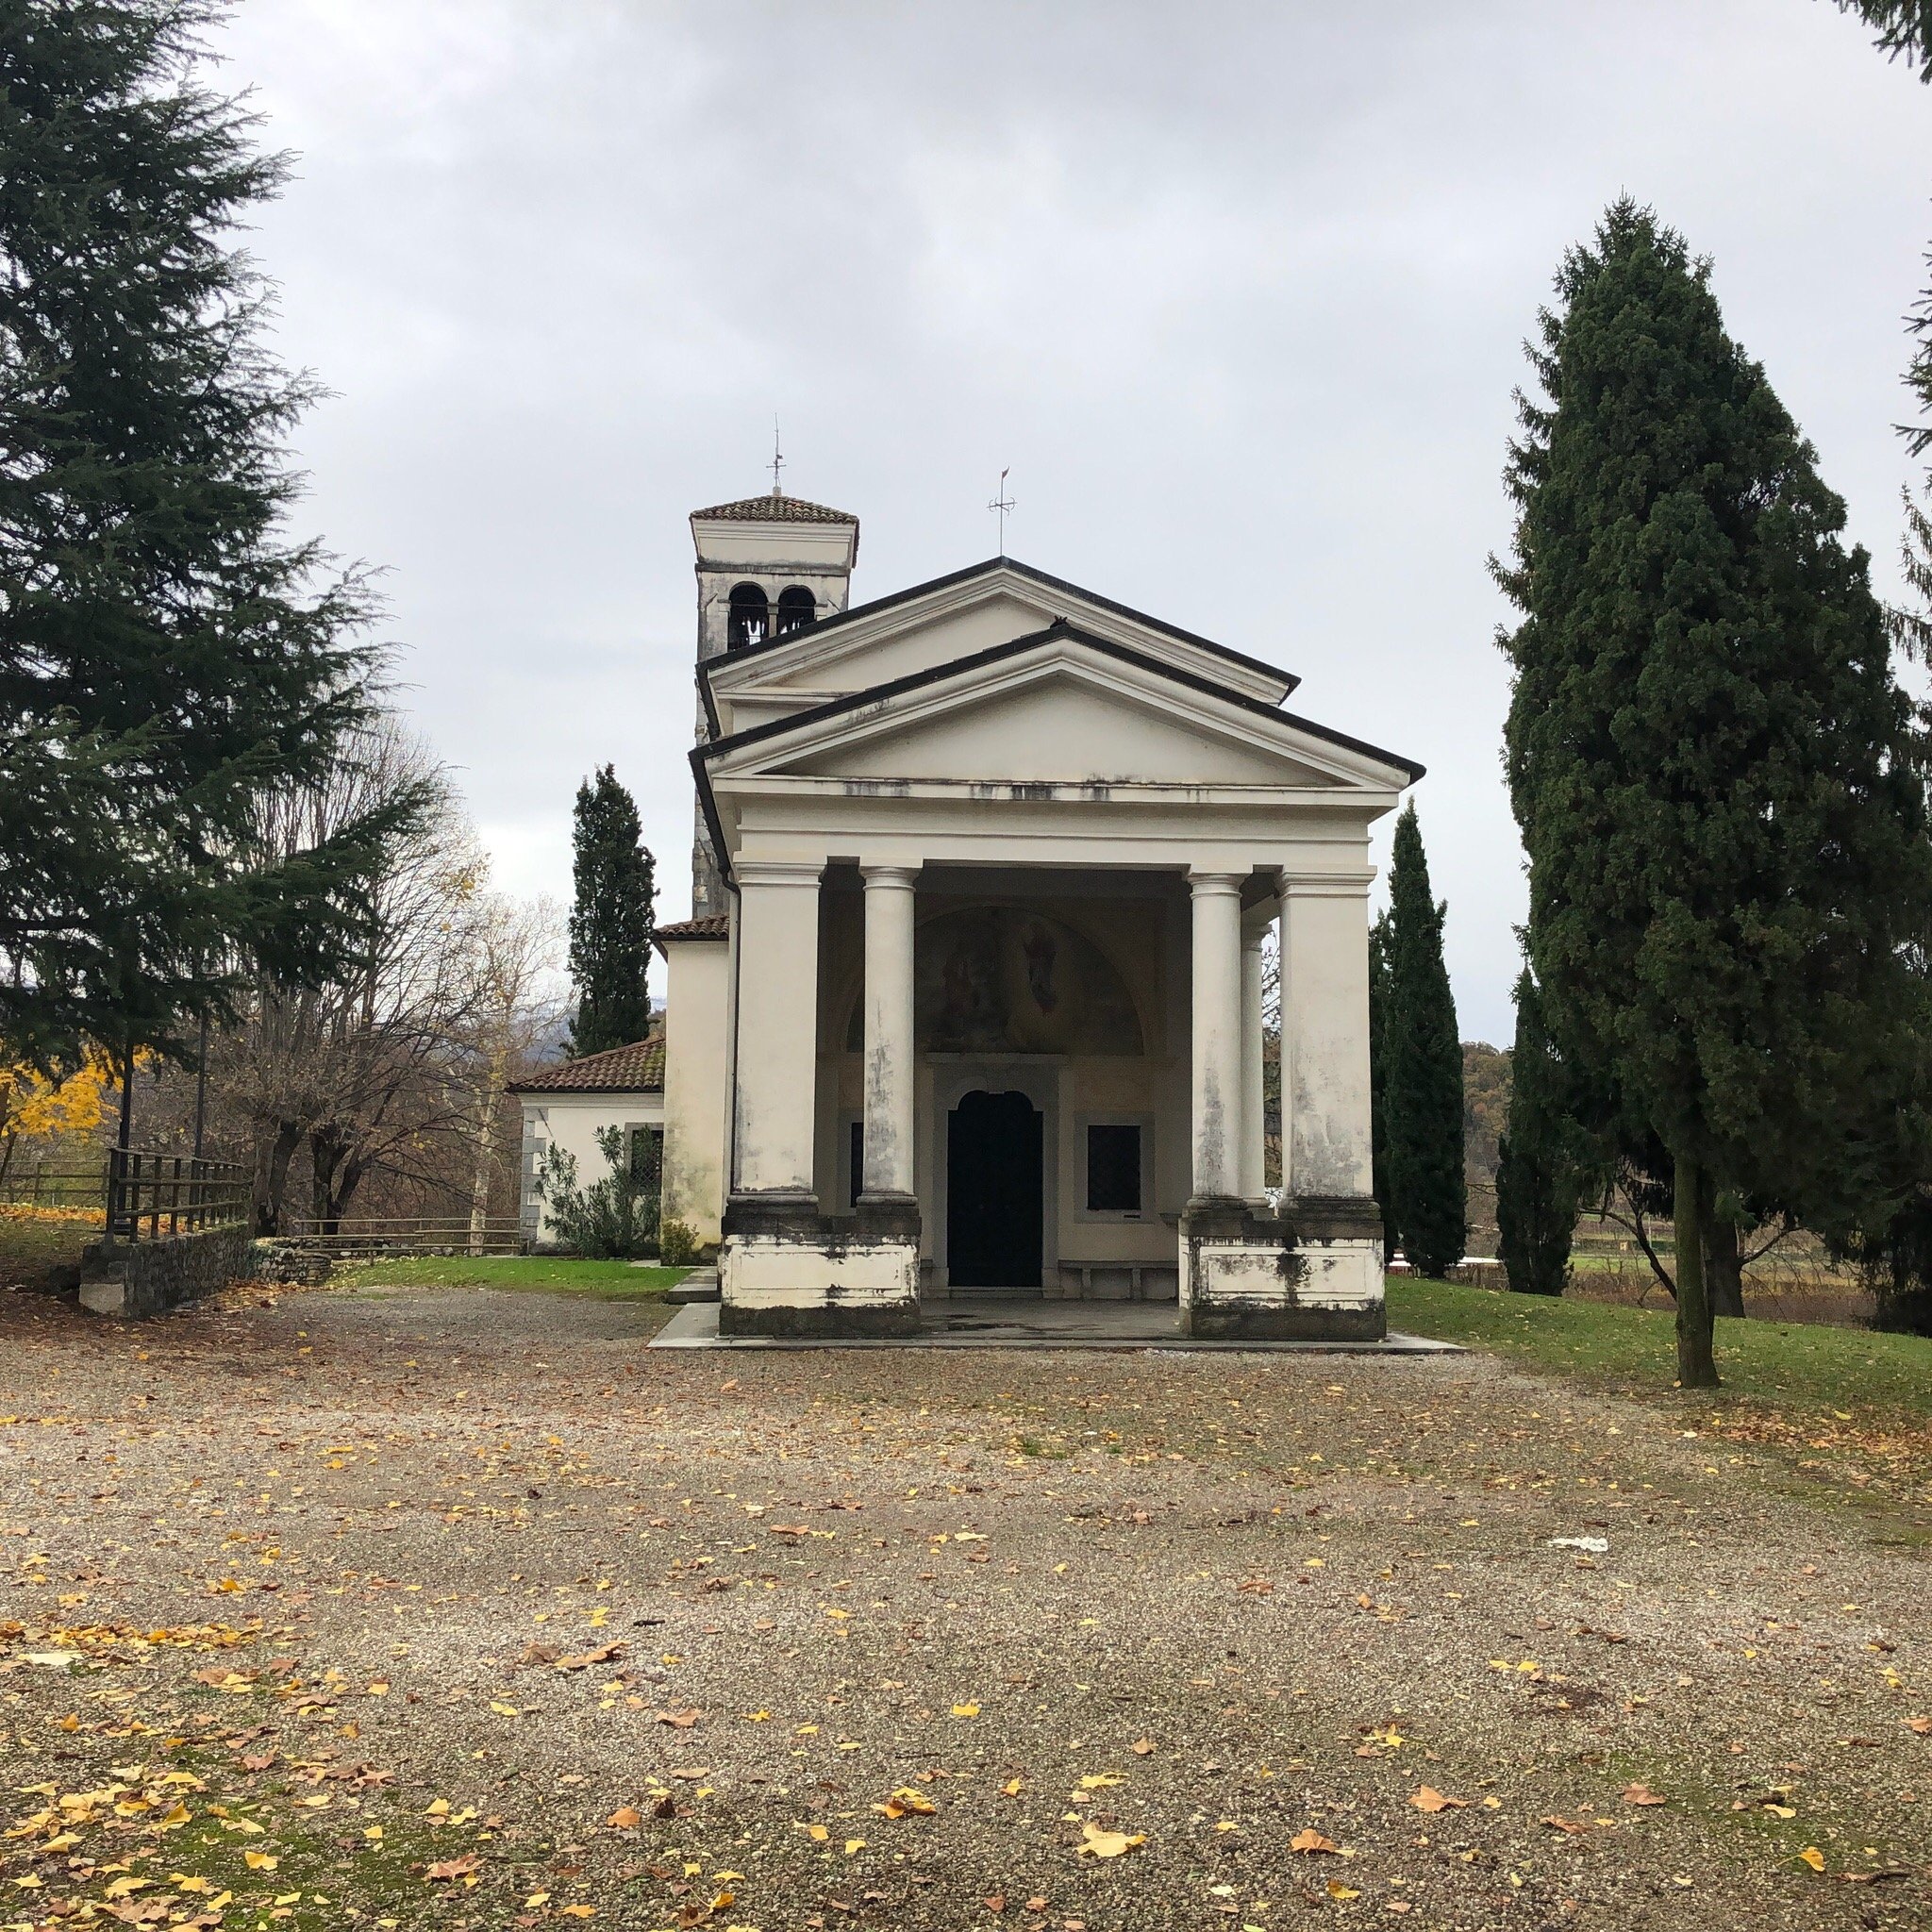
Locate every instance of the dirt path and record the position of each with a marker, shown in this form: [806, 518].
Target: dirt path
[1131, 1627]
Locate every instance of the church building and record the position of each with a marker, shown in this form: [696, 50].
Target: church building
[970, 1001]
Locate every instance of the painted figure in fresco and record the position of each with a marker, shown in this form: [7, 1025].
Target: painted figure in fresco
[1040, 952]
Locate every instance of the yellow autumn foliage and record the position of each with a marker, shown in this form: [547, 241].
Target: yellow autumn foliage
[35, 1108]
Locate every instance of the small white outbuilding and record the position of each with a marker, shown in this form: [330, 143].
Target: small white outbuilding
[564, 1107]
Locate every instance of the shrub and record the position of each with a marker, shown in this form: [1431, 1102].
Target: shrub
[677, 1244]
[612, 1219]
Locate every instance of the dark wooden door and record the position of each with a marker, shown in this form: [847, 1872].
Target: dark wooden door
[995, 1192]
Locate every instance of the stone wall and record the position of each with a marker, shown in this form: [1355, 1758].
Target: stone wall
[135, 1279]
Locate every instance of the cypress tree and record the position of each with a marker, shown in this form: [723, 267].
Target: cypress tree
[1422, 1093]
[1378, 1078]
[167, 654]
[1707, 754]
[610, 923]
[1538, 1171]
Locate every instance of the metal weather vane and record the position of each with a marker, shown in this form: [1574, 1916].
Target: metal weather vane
[777, 461]
[1002, 503]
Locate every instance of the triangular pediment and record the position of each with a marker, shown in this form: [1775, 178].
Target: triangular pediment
[1059, 709]
[953, 618]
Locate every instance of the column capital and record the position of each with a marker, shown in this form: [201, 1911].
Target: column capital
[902, 877]
[1327, 884]
[779, 871]
[1208, 885]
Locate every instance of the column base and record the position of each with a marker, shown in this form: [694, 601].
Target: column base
[787, 1272]
[1315, 1276]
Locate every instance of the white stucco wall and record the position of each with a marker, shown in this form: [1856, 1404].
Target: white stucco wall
[695, 1058]
[570, 1120]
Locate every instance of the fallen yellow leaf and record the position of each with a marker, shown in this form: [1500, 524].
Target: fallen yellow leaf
[1813, 1858]
[260, 1861]
[1338, 1890]
[1106, 1844]
[906, 1800]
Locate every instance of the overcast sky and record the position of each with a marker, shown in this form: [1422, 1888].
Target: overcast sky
[1238, 291]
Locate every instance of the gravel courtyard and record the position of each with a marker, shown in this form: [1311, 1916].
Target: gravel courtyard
[458, 1607]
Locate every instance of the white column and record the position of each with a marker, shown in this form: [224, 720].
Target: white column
[777, 1069]
[1218, 1107]
[1254, 1149]
[1327, 1146]
[891, 1064]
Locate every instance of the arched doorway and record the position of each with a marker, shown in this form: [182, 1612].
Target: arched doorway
[995, 1192]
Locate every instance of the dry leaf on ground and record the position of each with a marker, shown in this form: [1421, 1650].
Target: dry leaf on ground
[1100, 1843]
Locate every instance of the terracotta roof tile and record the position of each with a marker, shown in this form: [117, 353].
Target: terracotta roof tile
[715, 925]
[775, 509]
[638, 1067]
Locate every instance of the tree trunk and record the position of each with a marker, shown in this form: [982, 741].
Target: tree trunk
[485, 1144]
[349, 1175]
[1697, 1364]
[1725, 1257]
[275, 1178]
[325, 1157]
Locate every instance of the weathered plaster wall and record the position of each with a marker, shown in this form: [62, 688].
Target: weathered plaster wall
[1325, 1019]
[696, 1050]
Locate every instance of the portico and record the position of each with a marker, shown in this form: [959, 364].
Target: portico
[993, 869]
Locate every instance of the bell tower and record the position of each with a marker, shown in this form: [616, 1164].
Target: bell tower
[766, 566]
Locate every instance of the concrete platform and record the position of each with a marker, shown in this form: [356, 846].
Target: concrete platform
[1039, 1324]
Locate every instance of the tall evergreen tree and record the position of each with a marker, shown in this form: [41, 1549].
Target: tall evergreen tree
[1903, 27]
[1707, 754]
[1378, 1078]
[1422, 1093]
[167, 654]
[1538, 1164]
[610, 923]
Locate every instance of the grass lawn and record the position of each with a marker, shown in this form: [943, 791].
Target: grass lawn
[1858, 1400]
[537, 1273]
[35, 1244]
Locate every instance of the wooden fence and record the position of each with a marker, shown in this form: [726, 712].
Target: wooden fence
[414, 1234]
[149, 1195]
[49, 1184]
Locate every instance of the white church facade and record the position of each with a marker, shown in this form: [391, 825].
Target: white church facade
[971, 1000]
